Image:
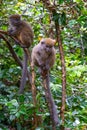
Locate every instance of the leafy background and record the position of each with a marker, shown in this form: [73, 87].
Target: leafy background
[16, 111]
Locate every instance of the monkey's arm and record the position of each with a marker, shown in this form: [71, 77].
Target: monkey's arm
[50, 61]
[12, 31]
[36, 57]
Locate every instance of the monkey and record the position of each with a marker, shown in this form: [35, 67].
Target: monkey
[23, 34]
[43, 55]
[21, 30]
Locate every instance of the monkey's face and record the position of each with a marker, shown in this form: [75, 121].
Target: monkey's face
[14, 22]
[46, 47]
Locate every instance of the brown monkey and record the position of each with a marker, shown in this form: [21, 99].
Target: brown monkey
[21, 30]
[22, 33]
[43, 55]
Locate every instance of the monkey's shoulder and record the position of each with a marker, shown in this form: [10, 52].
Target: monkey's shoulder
[35, 49]
[25, 24]
[53, 50]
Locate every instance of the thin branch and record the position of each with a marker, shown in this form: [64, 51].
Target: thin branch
[14, 54]
[11, 50]
[58, 32]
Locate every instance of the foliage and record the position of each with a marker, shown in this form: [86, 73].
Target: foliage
[17, 111]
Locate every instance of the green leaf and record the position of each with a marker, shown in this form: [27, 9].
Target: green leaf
[18, 126]
[1, 107]
[12, 104]
[61, 1]
[21, 98]
[63, 18]
[56, 17]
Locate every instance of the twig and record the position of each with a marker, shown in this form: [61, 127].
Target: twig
[11, 50]
[13, 53]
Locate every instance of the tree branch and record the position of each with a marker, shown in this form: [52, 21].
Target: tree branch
[16, 58]
[52, 9]
[11, 50]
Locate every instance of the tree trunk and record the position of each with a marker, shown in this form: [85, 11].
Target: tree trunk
[58, 33]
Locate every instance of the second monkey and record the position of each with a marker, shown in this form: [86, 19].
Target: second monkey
[22, 33]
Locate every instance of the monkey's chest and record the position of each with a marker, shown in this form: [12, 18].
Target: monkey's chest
[41, 58]
[44, 56]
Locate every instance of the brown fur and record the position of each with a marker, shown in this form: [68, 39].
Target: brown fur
[21, 30]
[43, 55]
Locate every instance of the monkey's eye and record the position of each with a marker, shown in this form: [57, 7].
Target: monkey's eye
[48, 46]
[17, 19]
[42, 42]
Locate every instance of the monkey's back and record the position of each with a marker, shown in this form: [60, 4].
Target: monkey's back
[26, 34]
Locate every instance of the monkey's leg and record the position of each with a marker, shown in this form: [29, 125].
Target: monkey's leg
[50, 101]
[24, 73]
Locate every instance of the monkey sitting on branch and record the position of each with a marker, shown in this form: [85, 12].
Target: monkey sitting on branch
[21, 30]
[22, 33]
[43, 56]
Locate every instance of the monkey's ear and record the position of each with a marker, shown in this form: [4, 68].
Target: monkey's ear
[54, 41]
[42, 41]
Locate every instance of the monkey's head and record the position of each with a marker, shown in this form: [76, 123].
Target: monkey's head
[15, 19]
[47, 44]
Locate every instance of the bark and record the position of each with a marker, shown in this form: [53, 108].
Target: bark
[11, 50]
[58, 32]
[34, 98]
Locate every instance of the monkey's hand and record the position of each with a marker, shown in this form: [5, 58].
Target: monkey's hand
[11, 32]
[45, 67]
[44, 73]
